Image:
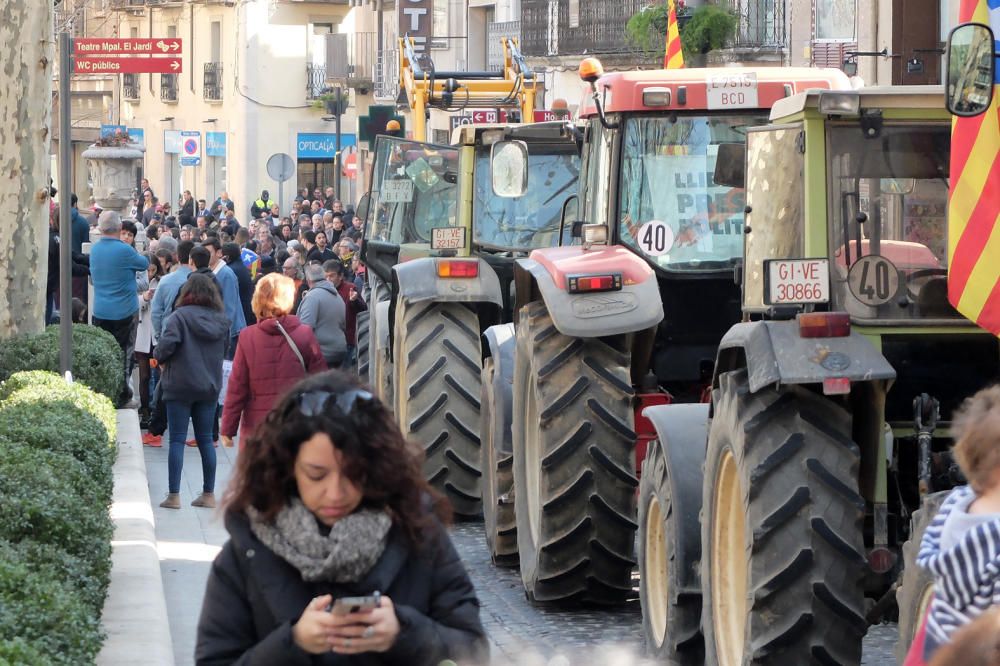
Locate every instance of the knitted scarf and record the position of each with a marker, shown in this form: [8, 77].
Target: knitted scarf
[345, 555]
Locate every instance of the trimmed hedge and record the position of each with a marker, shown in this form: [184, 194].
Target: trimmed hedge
[57, 448]
[97, 358]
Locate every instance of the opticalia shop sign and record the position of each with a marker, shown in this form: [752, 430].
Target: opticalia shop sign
[321, 146]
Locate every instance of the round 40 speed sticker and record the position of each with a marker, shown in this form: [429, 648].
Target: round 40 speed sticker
[655, 238]
[874, 280]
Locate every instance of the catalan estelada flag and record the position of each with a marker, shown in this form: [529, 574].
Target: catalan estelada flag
[674, 56]
[974, 206]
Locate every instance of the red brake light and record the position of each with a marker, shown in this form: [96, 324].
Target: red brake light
[824, 325]
[836, 386]
[457, 268]
[584, 283]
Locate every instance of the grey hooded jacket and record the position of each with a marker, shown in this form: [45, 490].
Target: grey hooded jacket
[190, 349]
[322, 308]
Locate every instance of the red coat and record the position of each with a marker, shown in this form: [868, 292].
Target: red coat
[263, 369]
[353, 308]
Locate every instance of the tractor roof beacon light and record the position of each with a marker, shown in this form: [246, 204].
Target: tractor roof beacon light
[839, 103]
[590, 70]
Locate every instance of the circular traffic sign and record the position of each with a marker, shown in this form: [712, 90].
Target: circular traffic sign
[873, 280]
[190, 147]
[280, 167]
[655, 238]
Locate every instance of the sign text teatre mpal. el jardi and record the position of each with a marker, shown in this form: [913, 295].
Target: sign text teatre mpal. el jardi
[134, 46]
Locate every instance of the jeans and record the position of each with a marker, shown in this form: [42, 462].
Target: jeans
[123, 331]
[352, 357]
[202, 414]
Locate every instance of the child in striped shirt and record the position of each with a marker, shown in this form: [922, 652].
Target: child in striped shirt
[961, 547]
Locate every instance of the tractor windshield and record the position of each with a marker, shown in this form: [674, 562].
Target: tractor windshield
[530, 221]
[889, 198]
[671, 209]
[413, 191]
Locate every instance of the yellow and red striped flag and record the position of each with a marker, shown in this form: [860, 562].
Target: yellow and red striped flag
[674, 56]
[974, 204]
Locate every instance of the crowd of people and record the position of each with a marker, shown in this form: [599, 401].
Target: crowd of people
[328, 499]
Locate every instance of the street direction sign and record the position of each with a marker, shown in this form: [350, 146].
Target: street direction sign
[114, 65]
[95, 46]
[190, 148]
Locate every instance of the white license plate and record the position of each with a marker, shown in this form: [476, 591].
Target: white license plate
[794, 281]
[732, 91]
[397, 191]
[448, 238]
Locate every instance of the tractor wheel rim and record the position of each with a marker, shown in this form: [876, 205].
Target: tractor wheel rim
[729, 565]
[532, 458]
[657, 582]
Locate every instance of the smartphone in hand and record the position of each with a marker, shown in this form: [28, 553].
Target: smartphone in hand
[346, 605]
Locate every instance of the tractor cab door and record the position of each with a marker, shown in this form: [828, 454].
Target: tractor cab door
[413, 196]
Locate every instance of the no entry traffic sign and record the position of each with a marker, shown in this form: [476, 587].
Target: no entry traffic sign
[115, 65]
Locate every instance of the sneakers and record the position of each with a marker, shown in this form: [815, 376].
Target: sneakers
[156, 441]
[206, 500]
[173, 501]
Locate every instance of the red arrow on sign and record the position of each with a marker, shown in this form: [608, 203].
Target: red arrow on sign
[127, 66]
[95, 46]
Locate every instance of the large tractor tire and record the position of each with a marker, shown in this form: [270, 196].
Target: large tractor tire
[917, 586]
[782, 544]
[499, 520]
[671, 618]
[574, 464]
[437, 357]
[364, 344]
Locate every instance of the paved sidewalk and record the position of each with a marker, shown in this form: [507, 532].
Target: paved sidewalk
[187, 540]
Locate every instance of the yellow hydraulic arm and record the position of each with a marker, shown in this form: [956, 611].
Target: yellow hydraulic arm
[512, 88]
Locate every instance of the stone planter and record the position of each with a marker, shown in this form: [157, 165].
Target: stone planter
[112, 172]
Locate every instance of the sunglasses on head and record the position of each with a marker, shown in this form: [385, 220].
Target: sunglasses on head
[314, 403]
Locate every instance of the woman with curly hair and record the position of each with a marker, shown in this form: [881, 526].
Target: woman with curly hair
[328, 500]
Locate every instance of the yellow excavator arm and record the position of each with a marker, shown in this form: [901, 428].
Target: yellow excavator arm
[513, 87]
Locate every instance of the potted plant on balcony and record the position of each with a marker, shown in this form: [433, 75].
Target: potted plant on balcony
[112, 160]
[702, 30]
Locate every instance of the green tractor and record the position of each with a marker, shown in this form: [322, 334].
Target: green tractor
[827, 428]
[439, 247]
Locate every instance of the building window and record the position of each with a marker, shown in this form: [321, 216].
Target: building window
[574, 13]
[835, 19]
[439, 27]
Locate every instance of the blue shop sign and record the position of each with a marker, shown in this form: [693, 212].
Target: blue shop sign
[321, 146]
[110, 130]
[215, 144]
[137, 135]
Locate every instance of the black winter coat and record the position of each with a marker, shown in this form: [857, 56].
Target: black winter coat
[254, 597]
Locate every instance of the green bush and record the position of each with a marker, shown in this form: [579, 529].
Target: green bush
[97, 359]
[37, 607]
[74, 572]
[38, 505]
[707, 28]
[43, 387]
[18, 652]
[74, 474]
[61, 426]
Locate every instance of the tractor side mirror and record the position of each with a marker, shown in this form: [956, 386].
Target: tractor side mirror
[971, 70]
[361, 211]
[730, 165]
[509, 167]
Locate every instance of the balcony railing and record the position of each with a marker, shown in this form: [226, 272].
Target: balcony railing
[168, 87]
[315, 80]
[762, 24]
[494, 50]
[130, 87]
[546, 31]
[213, 81]
[387, 75]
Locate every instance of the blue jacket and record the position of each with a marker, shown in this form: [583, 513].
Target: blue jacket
[230, 287]
[113, 265]
[166, 295]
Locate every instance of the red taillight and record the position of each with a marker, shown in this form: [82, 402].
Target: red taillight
[836, 386]
[584, 283]
[457, 268]
[824, 325]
